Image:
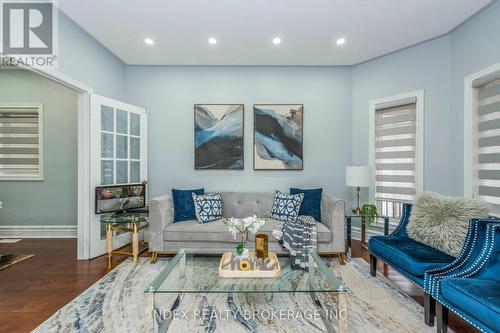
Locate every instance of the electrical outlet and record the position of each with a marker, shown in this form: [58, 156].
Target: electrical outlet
[1, 204]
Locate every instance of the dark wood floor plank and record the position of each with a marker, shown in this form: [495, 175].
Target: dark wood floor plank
[32, 290]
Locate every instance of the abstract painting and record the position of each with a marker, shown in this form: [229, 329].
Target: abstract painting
[278, 132]
[218, 136]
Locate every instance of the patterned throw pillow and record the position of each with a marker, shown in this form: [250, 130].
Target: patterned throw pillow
[208, 207]
[286, 206]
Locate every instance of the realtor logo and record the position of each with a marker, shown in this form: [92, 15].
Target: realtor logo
[28, 33]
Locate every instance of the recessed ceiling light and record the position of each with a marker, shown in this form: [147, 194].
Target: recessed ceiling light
[341, 41]
[276, 41]
[212, 40]
[149, 41]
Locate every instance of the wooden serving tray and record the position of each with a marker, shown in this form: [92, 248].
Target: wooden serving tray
[226, 272]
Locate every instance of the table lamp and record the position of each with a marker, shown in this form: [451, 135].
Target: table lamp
[357, 176]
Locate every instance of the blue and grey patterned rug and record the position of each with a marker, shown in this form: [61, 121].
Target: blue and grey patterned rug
[116, 303]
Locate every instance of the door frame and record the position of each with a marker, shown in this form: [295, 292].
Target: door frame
[85, 193]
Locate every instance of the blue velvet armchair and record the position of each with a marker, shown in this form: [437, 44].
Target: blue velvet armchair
[470, 286]
[410, 258]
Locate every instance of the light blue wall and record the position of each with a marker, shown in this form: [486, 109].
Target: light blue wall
[425, 66]
[86, 60]
[52, 201]
[439, 67]
[473, 46]
[170, 92]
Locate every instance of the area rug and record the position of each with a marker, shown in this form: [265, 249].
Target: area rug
[116, 303]
[7, 260]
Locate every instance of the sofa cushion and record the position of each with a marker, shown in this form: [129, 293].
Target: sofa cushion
[442, 222]
[408, 254]
[208, 207]
[183, 204]
[478, 298]
[311, 204]
[192, 231]
[324, 234]
[286, 206]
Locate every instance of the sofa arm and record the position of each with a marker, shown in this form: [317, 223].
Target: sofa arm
[161, 214]
[333, 216]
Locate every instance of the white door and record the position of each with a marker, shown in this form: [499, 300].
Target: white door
[119, 155]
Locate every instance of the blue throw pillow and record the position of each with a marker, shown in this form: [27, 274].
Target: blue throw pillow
[183, 204]
[311, 205]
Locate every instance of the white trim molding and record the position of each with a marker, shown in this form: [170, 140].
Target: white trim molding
[418, 95]
[471, 83]
[38, 231]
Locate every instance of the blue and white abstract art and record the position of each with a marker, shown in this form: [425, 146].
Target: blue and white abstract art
[218, 132]
[278, 130]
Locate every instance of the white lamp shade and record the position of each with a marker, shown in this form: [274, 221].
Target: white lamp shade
[358, 176]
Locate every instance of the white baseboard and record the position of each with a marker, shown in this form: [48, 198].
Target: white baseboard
[38, 231]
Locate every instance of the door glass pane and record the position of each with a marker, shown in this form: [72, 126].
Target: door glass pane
[107, 123]
[121, 121]
[107, 145]
[121, 172]
[107, 172]
[135, 172]
[121, 146]
[135, 148]
[135, 124]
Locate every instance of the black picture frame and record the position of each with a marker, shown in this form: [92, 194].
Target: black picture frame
[102, 187]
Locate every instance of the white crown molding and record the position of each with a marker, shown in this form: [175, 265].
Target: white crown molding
[37, 231]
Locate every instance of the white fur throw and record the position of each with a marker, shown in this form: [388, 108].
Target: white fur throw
[441, 222]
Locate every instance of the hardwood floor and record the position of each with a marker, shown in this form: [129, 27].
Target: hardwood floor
[31, 291]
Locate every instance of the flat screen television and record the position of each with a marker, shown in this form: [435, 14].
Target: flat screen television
[119, 198]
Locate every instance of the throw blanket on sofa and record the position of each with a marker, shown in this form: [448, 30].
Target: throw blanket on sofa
[299, 238]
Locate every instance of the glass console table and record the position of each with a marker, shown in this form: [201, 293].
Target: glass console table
[130, 222]
[189, 273]
[364, 244]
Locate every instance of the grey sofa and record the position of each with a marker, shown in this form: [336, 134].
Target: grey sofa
[166, 237]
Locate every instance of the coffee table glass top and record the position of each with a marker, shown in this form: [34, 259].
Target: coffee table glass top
[124, 218]
[189, 272]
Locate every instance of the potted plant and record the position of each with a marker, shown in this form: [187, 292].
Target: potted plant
[369, 213]
[240, 227]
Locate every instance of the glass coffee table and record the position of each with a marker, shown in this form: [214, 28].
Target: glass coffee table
[190, 273]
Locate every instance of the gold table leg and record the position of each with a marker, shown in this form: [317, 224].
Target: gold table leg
[109, 243]
[135, 243]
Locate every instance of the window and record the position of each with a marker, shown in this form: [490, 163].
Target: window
[486, 141]
[120, 146]
[21, 142]
[395, 154]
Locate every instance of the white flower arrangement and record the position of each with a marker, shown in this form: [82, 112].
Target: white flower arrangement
[239, 227]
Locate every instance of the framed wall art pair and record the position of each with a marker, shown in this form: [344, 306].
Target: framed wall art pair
[277, 131]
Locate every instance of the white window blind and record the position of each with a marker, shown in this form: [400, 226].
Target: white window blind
[395, 139]
[20, 147]
[488, 144]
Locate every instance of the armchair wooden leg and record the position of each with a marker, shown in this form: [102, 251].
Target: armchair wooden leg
[373, 265]
[441, 318]
[154, 257]
[429, 309]
[341, 258]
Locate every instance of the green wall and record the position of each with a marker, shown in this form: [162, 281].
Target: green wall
[52, 201]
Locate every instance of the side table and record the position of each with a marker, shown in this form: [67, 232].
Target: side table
[130, 222]
[364, 244]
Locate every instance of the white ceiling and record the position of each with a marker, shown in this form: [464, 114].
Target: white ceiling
[245, 28]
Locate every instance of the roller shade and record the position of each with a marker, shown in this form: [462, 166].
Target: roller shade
[20, 143]
[488, 144]
[395, 132]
